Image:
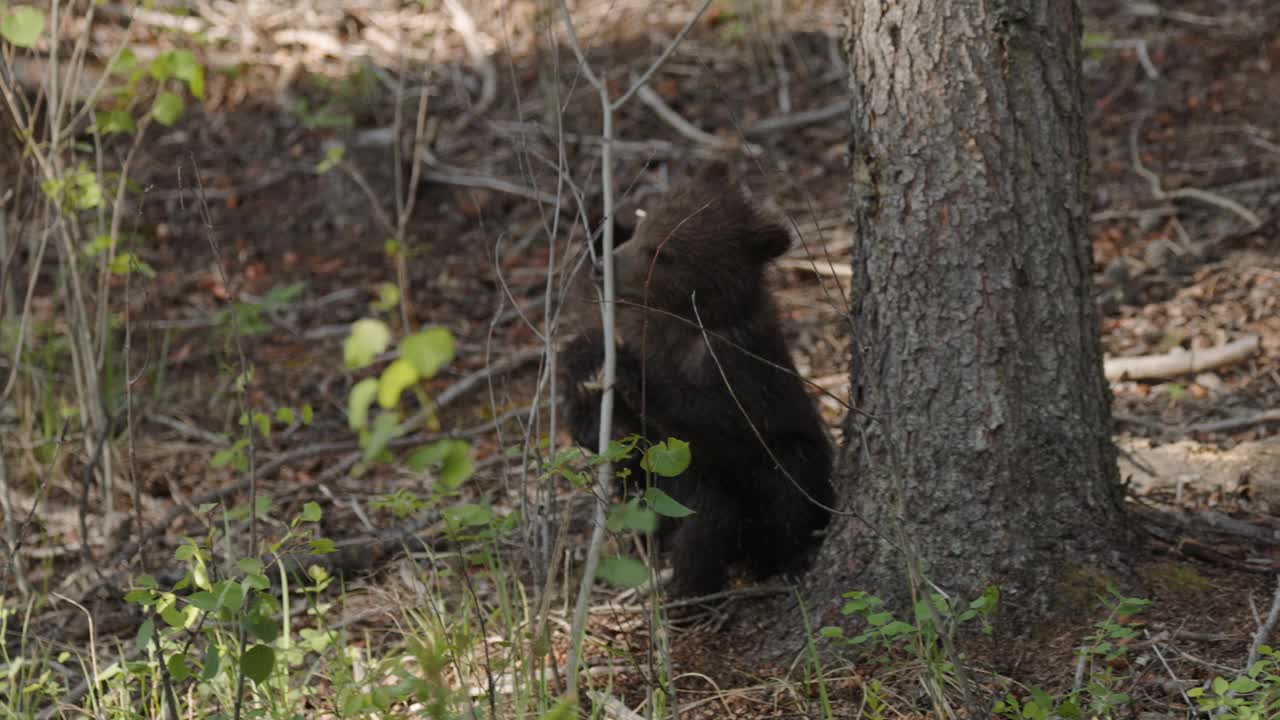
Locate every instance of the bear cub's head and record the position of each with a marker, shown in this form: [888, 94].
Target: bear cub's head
[702, 241]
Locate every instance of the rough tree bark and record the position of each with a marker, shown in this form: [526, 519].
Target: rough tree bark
[985, 447]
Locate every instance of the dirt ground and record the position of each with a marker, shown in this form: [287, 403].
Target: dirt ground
[1185, 157]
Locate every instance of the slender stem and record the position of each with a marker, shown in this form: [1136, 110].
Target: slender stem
[644, 78]
[604, 473]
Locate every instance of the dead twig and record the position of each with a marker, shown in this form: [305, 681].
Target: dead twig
[1180, 362]
[604, 473]
[791, 121]
[651, 98]
[1189, 547]
[1155, 647]
[1233, 424]
[1222, 523]
[1265, 630]
[472, 40]
[835, 270]
[613, 707]
[463, 178]
[1139, 46]
[1187, 193]
[1144, 9]
[261, 183]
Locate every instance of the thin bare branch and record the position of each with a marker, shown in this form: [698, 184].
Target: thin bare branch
[648, 73]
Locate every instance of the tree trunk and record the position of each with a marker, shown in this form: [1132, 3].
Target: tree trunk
[979, 446]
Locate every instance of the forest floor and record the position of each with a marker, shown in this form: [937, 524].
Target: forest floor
[1185, 165]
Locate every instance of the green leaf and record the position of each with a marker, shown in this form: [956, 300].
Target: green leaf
[458, 466]
[114, 121]
[78, 190]
[395, 378]
[178, 667]
[428, 350]
[664, 504]
[161, 67]
[630, 516]
[332, 156]
[385, 427]
[188, 70]
[429, 455]
[308, 414]
[563, 710]
[98, 245]
[167, 108]
[22, 26]
[125, 263]
[468, 515]
[261, 627]
[123, 63]
[212, 661]
[178, 618]
[388, 297]
[667, 459]
[368, 338]
[143, 638]
[1244, 685]
[623, 572]
[1220, 686]
[987, 602]
[880, 618]
[1068, 710]
[830, 632]
[222, 458]
[358, 403]
[230, 594]
[1041, 698]
[322, 546]
[896, 628]
[1131, 606]
[621, 449]
[205, 600]
[262, 422]
[286, 416]
[311, 512]
[258, 662]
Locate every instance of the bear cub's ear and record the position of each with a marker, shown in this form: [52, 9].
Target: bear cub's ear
[769, 240]
[621, 232]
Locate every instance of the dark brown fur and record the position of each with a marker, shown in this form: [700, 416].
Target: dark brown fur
[705, 245]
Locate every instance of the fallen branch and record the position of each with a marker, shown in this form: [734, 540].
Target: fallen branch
[1180, 544]
[651, 98]
[1235, 423]
[1159, 193]
[1265, 630]
[464, 179]
[1224, 524]
[778, 123]
[613, 707]
[472, 40]
[1180, 362]
[836, 270]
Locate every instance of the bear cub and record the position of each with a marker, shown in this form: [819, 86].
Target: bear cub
[695, 261]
